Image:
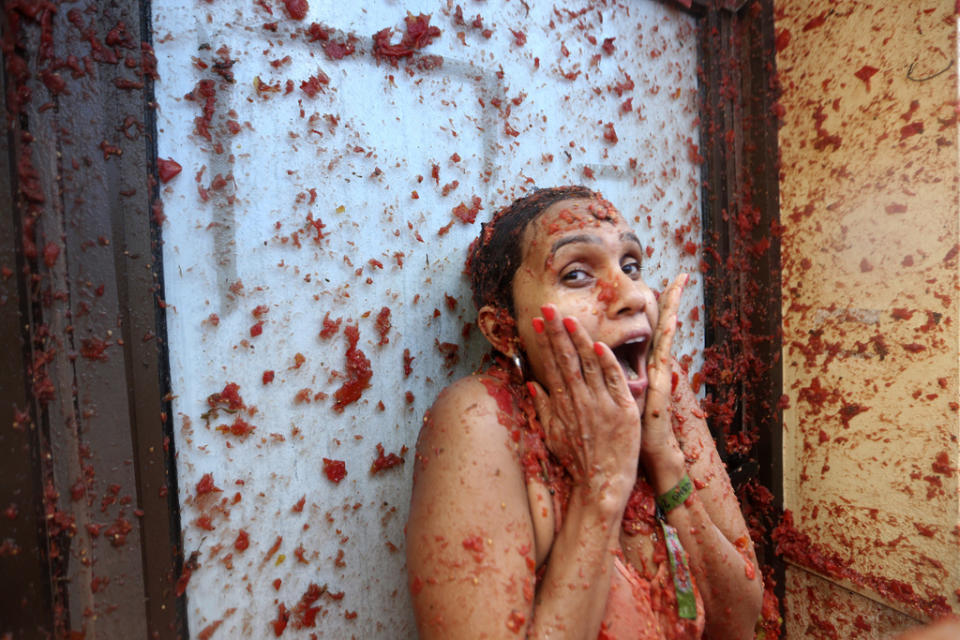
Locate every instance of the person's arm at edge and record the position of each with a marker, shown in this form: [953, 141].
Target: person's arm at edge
[710, 524]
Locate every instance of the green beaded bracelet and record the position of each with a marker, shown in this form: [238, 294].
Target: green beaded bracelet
[677, 495]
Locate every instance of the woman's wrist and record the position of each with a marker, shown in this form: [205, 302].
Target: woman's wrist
[664, 471]
[607, 497]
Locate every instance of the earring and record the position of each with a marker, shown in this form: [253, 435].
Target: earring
[517, 364]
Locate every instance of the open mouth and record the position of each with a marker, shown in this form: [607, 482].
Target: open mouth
[632, 356]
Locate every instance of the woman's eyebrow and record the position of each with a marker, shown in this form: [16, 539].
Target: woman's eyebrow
[626, 236]
[571, 240]
[629, 236]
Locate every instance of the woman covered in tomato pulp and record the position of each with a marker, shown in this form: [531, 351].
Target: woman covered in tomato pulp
[572, 489]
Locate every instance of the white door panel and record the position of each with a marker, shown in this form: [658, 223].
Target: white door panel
[359, 156]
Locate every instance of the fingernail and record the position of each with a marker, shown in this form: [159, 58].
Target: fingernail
[569, 325]
[598, 348]
[538, 325]
[547, 312]
[532, 389]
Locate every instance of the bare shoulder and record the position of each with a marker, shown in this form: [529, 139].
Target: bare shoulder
[465, 414]
[469, 535]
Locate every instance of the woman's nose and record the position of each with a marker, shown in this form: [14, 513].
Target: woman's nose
[629, 295]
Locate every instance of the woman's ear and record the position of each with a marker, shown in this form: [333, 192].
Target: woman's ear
[498, 328]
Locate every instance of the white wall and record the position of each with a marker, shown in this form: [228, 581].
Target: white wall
[392, 126]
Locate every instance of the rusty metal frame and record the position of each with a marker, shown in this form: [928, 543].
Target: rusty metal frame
[94, 528]
[742, 287]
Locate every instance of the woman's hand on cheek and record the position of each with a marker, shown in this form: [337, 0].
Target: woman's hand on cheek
[591, 421]
[658, 438]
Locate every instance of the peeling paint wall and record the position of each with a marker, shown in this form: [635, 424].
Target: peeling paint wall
[324, 179]
[869, 200]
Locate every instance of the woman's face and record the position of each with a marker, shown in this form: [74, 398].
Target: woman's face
[582, 257]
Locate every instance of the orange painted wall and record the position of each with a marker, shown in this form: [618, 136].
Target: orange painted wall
[869, 199]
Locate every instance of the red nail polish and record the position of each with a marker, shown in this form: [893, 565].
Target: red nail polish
[598, 348]
[569, 325]
[532, 389]
[538, 325]
[547, 312]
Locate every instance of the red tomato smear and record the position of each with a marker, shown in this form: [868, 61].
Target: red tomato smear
[798, 547]
[205, 523]
[189, 567]
[386, 461]
[304, 613]
[895, 207]
[815, 22]
[242, 542]
[866, 72]
[473, 543]
[911, 129]
[206, 485]
[273, 549]
[229, 398]
[450, 353]
[358, 372]
[280, 624]
[208, 630]
[168, 169]
[117, 532]
[298, 360]
[942, 464]
[333, 49]
[608, 291]
[315, 84]
[824, 138]
[268, 376]
[407, 363]
[93, 348]
[516, 620]
[335, 470]
[610, 134]
[318, 227]
[297, 9]
[298, 507]
[383, 325]
[781, 39]
[330, 327]
[848, 411]
[205, 92]
[418, 35]
[519, 37]
[466, 214]
[240, 428]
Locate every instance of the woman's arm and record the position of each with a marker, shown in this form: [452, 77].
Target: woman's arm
[471, 553]
[710, 523]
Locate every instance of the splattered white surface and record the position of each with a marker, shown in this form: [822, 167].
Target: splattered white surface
[380, 156]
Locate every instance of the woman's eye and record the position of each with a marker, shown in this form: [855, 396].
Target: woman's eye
[575, 276]
[631, 268]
